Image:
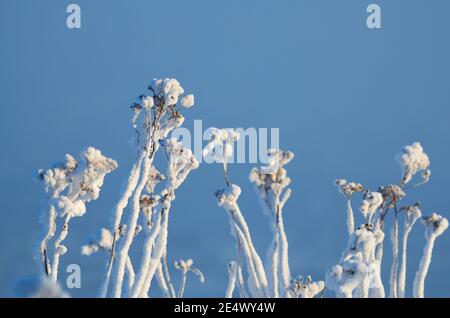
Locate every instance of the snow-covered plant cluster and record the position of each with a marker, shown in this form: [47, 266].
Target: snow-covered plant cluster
[358, 273]
[142, 214]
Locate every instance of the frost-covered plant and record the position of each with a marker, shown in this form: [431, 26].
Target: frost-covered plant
[435, 225]
[300, 288]
[271, 182]
[358, 272]
[69, 186]
[185, 266]
[73, 183]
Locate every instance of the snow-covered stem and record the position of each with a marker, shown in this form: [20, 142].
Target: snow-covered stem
[186, 266]
[300, 288]
[130, 273]
[435, 225]
[183, 284]
[154, 117]
[402, 273]
[358, 270]
[255, 288]
[180, 162]
[273, 264]
[155, 258]
[167, 277]
[284, 255]
[241, 224]
[419, 281]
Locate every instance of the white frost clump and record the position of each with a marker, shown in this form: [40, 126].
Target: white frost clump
[347, 189]
[147, 101]
[154, 177]
[414, 160]
[187, 101]
[276, 159]
[371, 202]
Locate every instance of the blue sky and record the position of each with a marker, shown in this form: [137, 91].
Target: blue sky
[346, 100]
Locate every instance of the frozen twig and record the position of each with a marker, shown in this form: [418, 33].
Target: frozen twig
[70, 185]
[185, 267]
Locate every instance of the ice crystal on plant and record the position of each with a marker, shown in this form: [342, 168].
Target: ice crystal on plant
[413, 160]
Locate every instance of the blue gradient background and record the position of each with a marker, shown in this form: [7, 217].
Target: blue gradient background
[346, 100]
